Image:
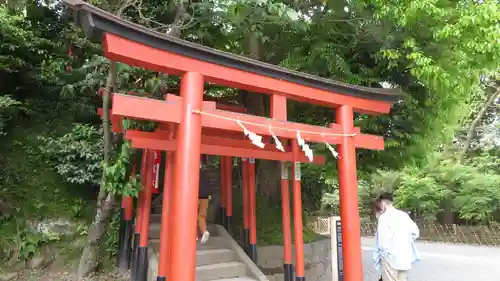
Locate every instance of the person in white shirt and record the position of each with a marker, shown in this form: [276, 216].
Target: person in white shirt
[396, 234]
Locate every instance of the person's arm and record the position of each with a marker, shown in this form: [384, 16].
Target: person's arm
[414, 231]
[384, 235]
[376, 253]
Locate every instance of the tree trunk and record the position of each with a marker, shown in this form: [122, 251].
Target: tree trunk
[268, 172]
[448, 215]
[473, 126]
[89, 259]
[106, 123]
[90, 255]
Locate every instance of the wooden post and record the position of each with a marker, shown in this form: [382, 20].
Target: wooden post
[297, 216]
[279, 112]
[222, 191]
[186, 179]
[124, 244]
[348, 186]
[229, 191]
[125, 234]
[165, 211]
[121, 232]
[252, 248]
[142, 250]
[246, 230]
[138, 215]
[287, 234]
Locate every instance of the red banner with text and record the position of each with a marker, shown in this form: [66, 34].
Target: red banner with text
[155, 183]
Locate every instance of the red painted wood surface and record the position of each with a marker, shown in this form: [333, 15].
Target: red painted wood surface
[187, 173]
[244, 173]
[252, 208]
[278, 107]
[140, 198]
[128, 207]
[147, 197]
[210, 102]
[228, 166]
[148, 109]
[297, 213]
[222, 171]
[128, 201]
[218, 146]
[155, 188]
[279, 112]
[136, 54]
[116, 121]
[160, 131]
[348, 187]
[164, 258]
[285, 209]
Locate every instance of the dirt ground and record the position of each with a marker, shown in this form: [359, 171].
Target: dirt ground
[67, 276]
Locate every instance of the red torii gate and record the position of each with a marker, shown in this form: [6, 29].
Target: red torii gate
[137, 46]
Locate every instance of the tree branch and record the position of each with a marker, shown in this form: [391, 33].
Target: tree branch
[108, 145]
[473, 126]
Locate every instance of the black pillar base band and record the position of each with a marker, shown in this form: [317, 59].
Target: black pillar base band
[246, 239]
[142, 263]
[120, 238]
[288, 269]
[159, 278]
[300, 278]
[224, 217]
[228, 225]
[133, 265]
[125, 250]
[252, 252]
[220, 216]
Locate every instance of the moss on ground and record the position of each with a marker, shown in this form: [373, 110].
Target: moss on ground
[31, 190]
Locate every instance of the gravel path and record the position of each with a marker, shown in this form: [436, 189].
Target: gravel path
[444, 262]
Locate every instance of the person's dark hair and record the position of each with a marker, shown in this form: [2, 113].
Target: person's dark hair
[386, 196]
[376, 205]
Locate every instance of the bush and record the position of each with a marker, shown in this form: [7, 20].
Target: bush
[76, 156]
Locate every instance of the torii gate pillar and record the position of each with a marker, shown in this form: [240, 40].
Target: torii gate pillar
[186, 179]
[348, 186]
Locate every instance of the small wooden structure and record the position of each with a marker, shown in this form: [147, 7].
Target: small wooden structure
[190, 126]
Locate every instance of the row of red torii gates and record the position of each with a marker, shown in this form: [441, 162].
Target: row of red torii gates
[232, 145]
[188, 127]
[150, 161]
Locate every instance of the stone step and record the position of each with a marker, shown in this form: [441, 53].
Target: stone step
[279, 277]
[276, 277]
[155, 229]
[205, 257]
[220, 270]
[212, 243]
[155, 218]
[242, 278]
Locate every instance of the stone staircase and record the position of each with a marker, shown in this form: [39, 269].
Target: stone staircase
[213, 176]
[221, 258]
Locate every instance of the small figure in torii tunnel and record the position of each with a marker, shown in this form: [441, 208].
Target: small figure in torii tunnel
[204, 197]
